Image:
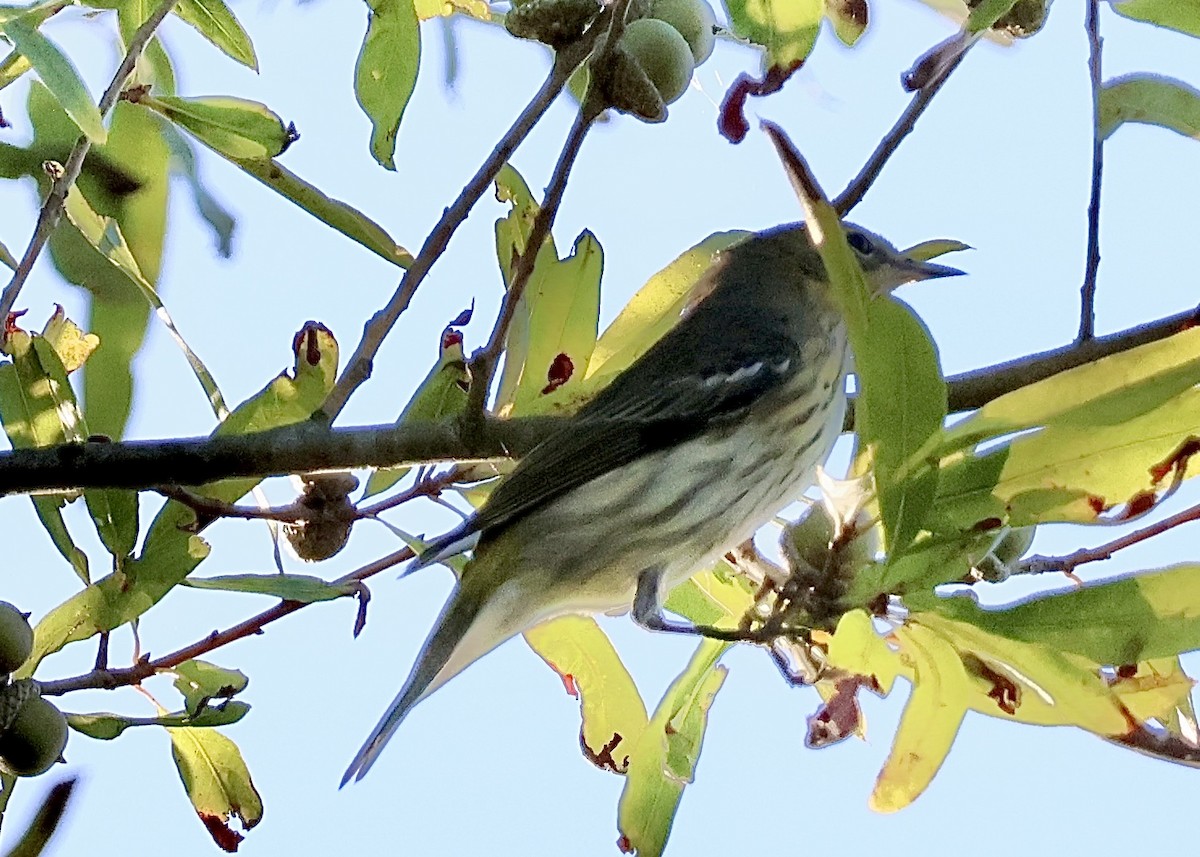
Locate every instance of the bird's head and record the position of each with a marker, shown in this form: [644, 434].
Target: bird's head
[884, 266]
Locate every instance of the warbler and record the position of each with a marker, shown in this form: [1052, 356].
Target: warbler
[687, 452]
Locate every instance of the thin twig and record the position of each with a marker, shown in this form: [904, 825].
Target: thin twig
[210, 507]
[358, 369]
[1068, 563]
[56, 199]
[1087, 310]
[483, 365]
[425, 486]
[145, 667]
[870, 171]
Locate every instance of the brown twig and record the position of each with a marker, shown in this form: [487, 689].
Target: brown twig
[483, 364]
[1087, 310]
[425, 486]
[358, 368]
[56, 199]
[858, 186]
[210, 508]
[145, 667]
[1068, 563]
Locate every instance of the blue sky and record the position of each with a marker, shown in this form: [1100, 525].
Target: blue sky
[491, 763]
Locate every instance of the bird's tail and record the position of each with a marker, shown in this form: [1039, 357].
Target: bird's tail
[484, 610]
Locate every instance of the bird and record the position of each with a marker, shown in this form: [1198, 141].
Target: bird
[686, 453]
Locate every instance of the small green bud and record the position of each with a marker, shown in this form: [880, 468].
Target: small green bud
[16, 638]
[36, 737]
[694, 19]
[662, 53]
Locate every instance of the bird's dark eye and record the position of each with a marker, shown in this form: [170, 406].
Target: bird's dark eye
[860, 243]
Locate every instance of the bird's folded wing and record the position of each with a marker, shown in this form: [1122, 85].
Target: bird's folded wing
[631, 418]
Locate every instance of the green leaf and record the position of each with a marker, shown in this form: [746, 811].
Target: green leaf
[901, 405]
[553, 330]
[786, 28]
[901, 393]
[291, 587]
[104, 234]
[932, 249]
[13, 67]
[849, 19]
[1031, 683]
[131, 14]
[1159, 690]
[217, 23]
[6, 258]
[654, 310]
[344, 218]
[49, 512]
[561, 312]
[442, 394]
[1152, 100]
[477, 9]
[69, 342]
[664, 759]
[234, 127]
[1181, 15]
[1067, 473]
[217, 782]
[1151, 615]
[386, 72]
[59, 76]
[200, 682]
[37, 408]
[1109, 391]
[105, 726]
[714, 596]
[856, 647]
[36, 399]
[986, 13]
[612, 711]
[169, 551]
[125, 179]
[930, 721]
[215, 214]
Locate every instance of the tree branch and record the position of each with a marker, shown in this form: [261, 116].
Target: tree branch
[312, 446]
[56, 199]
[1087, 310]
[974, 389]
[358, 368]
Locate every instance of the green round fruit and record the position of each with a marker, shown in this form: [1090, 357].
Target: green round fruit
[694, 19]
[36, 739]
[662, 53]
[16, 638]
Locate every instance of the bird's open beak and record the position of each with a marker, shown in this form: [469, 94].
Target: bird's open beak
[931, 270]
